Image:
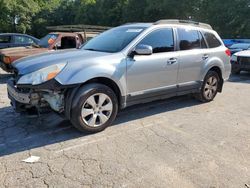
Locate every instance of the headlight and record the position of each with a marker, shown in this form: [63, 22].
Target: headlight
[42, 75]
[234, 58]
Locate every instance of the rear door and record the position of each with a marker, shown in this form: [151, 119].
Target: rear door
[192, 56]
[5, 41]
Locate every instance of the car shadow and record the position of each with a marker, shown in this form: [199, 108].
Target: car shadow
[20, 133]
[243, 77]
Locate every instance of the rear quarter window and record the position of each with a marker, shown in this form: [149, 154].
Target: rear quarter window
[212, 40]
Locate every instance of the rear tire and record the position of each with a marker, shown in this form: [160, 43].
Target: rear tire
[209, 87]
[94, 108]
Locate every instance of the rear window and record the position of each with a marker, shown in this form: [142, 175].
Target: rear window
[189, 39]
[22, 40]
[5, 39]
[211, 39]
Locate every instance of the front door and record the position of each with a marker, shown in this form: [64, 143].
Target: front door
[149, 75]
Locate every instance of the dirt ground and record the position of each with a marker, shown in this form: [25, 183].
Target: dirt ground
[173, 143]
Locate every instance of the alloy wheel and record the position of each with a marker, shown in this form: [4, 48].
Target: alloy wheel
[211, 87]
[97, 110]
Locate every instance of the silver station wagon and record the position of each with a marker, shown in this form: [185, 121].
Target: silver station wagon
[127, 65]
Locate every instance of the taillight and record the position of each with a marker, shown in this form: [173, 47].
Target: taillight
[228, 52]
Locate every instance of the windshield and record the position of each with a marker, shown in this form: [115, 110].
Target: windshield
[241, 46]
[113, 40]
[46, 41]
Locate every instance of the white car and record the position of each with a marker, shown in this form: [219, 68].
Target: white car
[240, 62]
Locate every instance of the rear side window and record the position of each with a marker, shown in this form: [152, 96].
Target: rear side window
[189, 39]
[5, 39]
[211, 39]
[22, 40]
[161, 40]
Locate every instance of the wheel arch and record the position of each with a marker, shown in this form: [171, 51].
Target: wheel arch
[70, 93]
[110, 83]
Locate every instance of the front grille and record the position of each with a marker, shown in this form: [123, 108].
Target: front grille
[244, 60]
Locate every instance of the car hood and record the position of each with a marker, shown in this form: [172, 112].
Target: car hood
[34, 63]
[29, 50]
[245, 53]
[20, 52]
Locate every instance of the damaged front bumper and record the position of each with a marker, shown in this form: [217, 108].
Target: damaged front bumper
[24, 100]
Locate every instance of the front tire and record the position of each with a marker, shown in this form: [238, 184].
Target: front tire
[94, 108]
[209, 87]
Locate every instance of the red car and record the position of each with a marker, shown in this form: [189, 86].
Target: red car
[52, 41]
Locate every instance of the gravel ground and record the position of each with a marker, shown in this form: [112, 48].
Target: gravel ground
[173, 143]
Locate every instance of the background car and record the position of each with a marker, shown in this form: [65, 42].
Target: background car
[8, 40]
[239, 47]
[240, 62]
[230, 42]
[52, 41]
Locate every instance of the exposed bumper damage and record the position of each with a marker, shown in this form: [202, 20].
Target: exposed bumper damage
[24, 100]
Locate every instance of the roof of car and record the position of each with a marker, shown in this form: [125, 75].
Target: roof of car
[187, 23]
[18, 34]
[15, 34]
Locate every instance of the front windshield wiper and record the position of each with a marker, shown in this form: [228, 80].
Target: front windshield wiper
[91, 49]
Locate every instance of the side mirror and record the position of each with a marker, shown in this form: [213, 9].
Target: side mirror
[57, 46]
[143, 50]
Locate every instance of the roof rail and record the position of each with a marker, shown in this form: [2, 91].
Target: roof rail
[184, 22]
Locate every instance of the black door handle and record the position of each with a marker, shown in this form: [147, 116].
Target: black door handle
[205, 57]
[172, 61]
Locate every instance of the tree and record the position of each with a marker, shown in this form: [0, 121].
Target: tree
[23, 9]
[229, 18]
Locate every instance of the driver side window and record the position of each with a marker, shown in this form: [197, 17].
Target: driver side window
[161, 40]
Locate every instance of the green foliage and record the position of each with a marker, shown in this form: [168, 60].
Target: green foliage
[24, 9]
[229, 18]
